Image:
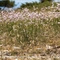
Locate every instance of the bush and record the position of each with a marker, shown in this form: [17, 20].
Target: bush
[36, 5]
[45, 0]
[7, 3]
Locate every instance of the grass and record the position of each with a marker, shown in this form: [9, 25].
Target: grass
[29, 32]
[29, 35]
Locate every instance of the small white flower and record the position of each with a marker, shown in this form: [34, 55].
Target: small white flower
[58, 22]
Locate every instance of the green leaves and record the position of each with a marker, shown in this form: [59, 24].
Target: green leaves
[7, 3]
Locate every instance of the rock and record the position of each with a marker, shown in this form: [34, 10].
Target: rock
[42, 54]
[16, 48]
[48, 47]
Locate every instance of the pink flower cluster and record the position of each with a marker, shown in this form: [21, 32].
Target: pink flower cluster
[26, 14]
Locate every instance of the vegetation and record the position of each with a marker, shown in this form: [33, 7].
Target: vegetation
[7, 3]
[30, 35]
[28, 31]
[45, 0]
[36, 5]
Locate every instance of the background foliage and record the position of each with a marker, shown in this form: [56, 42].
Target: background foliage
[7, 3]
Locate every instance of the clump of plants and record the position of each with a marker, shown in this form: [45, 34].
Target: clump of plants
[38, 5]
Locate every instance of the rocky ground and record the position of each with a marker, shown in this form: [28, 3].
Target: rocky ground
[49, 52]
